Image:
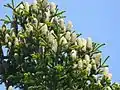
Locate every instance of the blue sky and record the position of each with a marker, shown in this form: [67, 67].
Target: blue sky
[99, 19]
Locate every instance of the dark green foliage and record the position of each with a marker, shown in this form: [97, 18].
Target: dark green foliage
[45, 54]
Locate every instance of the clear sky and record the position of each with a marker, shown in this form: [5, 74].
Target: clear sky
[99, 19]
